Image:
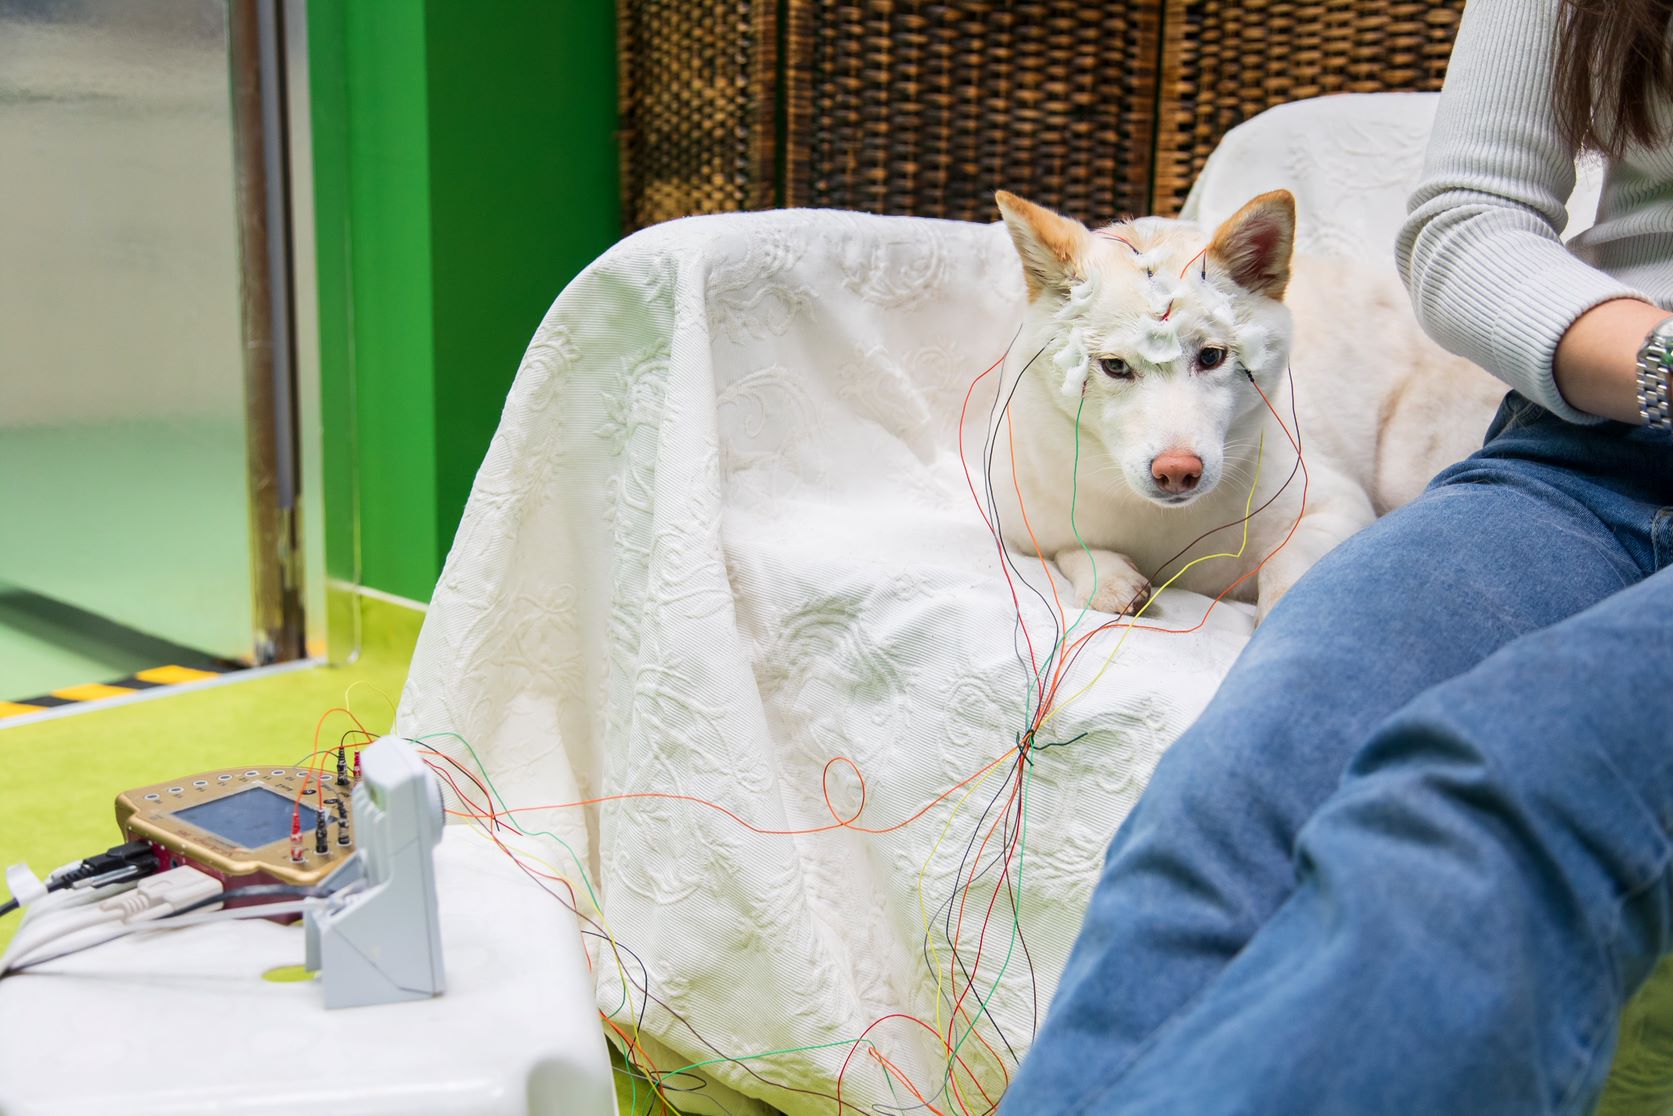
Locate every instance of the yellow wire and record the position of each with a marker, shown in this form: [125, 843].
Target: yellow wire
[386, 700]
[609, 935]
[1260, 453]
[923, 909]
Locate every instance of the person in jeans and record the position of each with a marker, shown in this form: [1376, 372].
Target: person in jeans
[1414, 856]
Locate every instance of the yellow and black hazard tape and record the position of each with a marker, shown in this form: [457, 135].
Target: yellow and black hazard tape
[152, 679]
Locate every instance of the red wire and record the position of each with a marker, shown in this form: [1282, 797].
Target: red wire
[1005, 867]
[489, 812]
[997, 541]
[841, 823]
[911, 1019]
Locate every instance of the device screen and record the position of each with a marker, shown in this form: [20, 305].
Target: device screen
[250, 819]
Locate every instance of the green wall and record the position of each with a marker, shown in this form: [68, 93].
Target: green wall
[465, 170]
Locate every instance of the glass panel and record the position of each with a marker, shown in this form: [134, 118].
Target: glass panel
[123, 485]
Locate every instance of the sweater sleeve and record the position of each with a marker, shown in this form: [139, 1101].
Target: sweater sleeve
[1480, 250]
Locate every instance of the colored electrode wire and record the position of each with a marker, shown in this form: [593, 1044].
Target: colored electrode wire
[970, 973]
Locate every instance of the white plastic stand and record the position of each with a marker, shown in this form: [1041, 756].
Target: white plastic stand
[384, 946]
[182, 1023]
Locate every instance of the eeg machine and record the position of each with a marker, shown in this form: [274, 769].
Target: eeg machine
[357, 847]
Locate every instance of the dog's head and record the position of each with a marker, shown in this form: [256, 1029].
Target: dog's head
[1150, 328]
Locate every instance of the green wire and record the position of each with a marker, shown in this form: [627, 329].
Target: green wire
[982, 1002]
[1074, 526]
[1022, 838]
[511, 819]
[771, 1054]
[1074, 499]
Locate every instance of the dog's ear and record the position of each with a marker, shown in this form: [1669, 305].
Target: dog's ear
[1255, 243]
[1050, 244]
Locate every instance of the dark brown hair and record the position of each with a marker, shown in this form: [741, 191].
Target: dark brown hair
[1612, 63]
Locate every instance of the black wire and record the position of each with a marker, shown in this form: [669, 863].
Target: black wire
[117, 864]
[1036, 747]
[977, 874]
[989, 440]
[1294, 469]
[995, 414]
[1001, 856]
[259, 891]
[1295, 421]
[946, 907]
[993, 508]
[649, 997]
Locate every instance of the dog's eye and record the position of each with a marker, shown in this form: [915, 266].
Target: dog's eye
[1211, 357]
[1115, 368]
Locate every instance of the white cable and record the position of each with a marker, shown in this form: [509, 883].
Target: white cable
[73, 942]
[23, 885]
[70, 898]
[51, 926]
[151, 898]
[141, 924]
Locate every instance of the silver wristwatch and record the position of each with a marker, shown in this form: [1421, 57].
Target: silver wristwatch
[1655, 377]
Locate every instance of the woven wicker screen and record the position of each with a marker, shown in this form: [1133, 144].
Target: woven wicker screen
[699, 103]
[1225, 62]
[927, 106]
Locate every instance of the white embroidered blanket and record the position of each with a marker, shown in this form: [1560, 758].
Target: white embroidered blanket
[722, 537]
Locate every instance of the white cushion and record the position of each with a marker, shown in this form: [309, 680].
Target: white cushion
[1351, 160]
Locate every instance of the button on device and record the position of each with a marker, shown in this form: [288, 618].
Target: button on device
[153, 797]
[177, 790]
[224, 778]
[200, 782]
[251, 774]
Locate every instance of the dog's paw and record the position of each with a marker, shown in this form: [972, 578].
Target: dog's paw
[1104, 580]
[1121, 592]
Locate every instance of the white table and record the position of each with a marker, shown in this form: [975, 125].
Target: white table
[182, 1022]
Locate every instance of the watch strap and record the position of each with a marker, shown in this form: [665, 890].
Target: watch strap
[1655, 377]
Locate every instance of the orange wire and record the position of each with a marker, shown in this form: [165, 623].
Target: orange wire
[898, 1074]
[1306, 480]
[976, 963]
[634, 1051]
[632, 1045]
[964, 463]
[911, 1019]
[839, 824]
[1010, 436]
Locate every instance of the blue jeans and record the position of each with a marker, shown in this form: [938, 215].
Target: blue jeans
[1414, 856]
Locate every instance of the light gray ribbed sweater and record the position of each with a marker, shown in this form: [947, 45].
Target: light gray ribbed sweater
[1480, 250]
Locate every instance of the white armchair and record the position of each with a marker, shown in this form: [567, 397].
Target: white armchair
[724, 537]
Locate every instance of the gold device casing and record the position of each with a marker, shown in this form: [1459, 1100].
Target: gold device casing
[151, 814]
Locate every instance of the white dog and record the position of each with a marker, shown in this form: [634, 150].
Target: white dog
[1156, 334]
